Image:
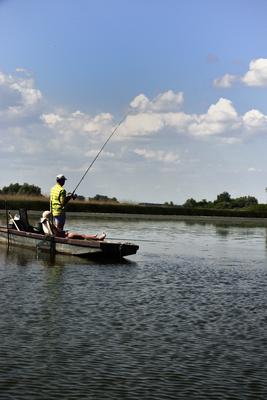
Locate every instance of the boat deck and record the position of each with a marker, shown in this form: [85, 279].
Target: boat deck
[79, 247]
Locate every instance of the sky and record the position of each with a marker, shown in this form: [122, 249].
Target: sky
[188, 78]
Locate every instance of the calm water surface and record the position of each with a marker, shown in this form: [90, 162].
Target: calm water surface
[185, 318]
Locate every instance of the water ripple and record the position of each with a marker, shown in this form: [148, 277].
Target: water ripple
[172, 325]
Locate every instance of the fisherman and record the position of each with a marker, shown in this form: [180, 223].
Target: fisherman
[58, 200]
[50, 229]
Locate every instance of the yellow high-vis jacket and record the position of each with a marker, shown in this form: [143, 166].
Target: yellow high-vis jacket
[57, 200]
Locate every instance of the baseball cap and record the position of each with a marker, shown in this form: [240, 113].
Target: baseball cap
[61, 177]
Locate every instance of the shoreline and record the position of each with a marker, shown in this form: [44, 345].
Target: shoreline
[186, 218]
[233, 220]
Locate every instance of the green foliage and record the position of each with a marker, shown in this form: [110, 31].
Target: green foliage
[42, 203]
[100, 197]
[223, 201]
[25, 189]
[190, 203]
[224, 197]
[80, 198]
[169, 204]
[245, 201]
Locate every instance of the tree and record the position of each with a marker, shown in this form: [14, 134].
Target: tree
[245, 201]
[223, 197]
[25, 189]
[203, 203]
[101, 197]
[190, 203]
[169, 203]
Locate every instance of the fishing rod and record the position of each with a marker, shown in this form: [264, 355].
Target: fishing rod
[98, 154]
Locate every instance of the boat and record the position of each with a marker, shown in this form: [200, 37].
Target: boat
[27, 236]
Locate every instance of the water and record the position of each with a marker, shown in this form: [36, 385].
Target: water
[185, 318]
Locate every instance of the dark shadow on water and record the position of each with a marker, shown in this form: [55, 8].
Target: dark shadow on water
[23, 257]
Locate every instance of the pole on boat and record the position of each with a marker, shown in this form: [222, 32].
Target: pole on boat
[12, 219]
[7, 227]
[100, 151]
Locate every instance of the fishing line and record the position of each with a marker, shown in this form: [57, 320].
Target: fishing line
[100, 151]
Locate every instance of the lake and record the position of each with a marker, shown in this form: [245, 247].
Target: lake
[184, 318]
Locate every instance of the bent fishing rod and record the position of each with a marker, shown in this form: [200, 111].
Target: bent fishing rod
[98, 154]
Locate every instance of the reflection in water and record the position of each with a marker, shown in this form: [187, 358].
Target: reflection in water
[222, 231]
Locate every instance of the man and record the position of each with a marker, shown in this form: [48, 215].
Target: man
[58, 199]
[50, 229]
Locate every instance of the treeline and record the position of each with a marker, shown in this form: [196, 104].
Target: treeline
[31, 190]
[17, 189]
[100, 198]
[223, 201]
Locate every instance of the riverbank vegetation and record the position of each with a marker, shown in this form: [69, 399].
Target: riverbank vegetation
[41, 203]
[223, 201]
[27, 196]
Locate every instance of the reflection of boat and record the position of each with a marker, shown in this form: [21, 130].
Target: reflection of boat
[78, 247]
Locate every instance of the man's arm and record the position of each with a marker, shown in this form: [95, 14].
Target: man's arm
[69, 197]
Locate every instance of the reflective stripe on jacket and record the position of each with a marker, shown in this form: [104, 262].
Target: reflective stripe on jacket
[57, 199]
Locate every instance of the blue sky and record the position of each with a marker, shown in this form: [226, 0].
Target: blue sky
[192, 76]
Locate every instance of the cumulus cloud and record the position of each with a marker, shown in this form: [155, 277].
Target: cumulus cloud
[151, 117]
[257, 74]
[18, 96]
[78, 124]
[255, 120]
[166, 101]
[142, 124]
[30, 129]
[225, 81]
[220, 117]
[50, 119]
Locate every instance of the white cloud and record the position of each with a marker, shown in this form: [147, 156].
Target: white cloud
[254, 120]
[93, 152]
[166, 101]
[253, 169]
[221, 120]
[140, 102]
[257, 74]
[19, 98]
[225, 81]
[100, 122]
[50, 119]
[180, 121]
[77, 124]
[231, 140]
[45, 133]
[142, 124]
[220, 117]
[158, 155]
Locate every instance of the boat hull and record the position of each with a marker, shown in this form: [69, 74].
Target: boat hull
[76, 247]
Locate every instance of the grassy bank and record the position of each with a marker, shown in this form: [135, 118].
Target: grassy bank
[42, 203]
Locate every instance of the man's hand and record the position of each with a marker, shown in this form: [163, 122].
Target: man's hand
[71, 196]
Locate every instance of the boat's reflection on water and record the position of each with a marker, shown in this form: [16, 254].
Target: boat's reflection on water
[25, 256]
